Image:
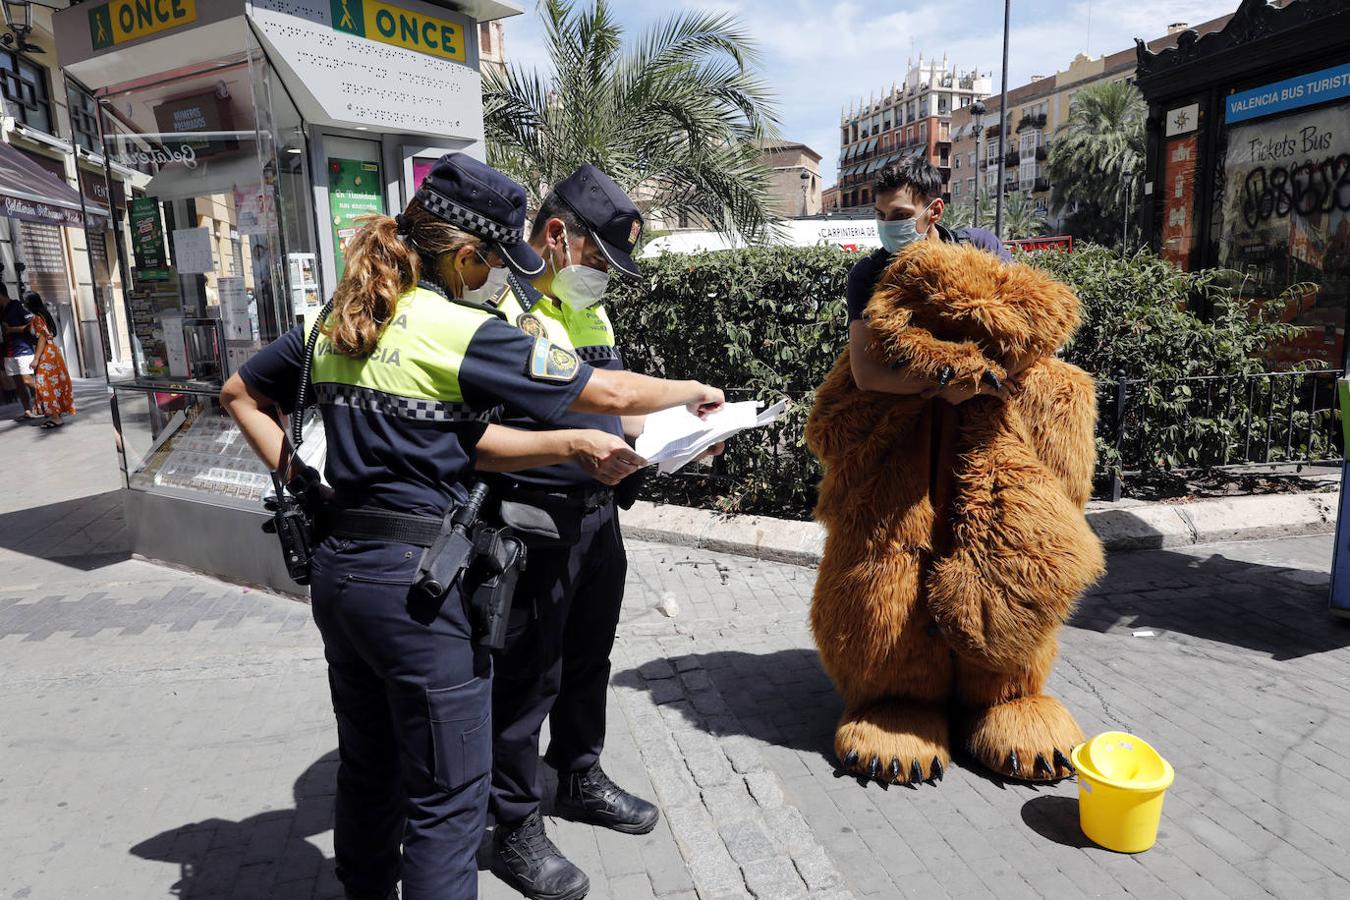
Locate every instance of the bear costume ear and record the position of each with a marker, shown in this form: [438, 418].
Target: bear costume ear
[961, 293]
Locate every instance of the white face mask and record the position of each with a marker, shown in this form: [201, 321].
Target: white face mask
[496, 280]
[578, 286]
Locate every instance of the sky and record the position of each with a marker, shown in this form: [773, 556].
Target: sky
[820, 56]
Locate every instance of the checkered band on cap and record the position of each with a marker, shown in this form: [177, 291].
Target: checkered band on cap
[475, 223]
[419, 410]
[597, 353]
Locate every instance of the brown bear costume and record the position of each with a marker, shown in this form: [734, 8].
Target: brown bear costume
[956, 539]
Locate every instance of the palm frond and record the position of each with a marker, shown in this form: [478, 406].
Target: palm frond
[675, 119]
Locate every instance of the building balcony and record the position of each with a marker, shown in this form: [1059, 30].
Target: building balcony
[1013, 158]
[1041, 185]
[1042, 152]
[1030, 121]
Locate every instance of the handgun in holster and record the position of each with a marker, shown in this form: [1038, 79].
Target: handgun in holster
[448, 558]
[499, 558]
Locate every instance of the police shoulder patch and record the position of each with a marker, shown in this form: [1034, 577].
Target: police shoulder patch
[549, 362]
[530, 324]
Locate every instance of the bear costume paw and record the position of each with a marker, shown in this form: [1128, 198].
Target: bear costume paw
[894, 741]
[940, 361]
[1028, 739]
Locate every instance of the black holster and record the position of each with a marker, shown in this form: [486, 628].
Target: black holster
[499, 558]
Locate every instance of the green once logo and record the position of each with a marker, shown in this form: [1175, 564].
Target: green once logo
[100, 27]
[349, 16]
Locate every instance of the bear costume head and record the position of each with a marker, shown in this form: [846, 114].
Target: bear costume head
[950, 312]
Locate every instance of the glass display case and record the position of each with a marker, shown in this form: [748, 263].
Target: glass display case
[219, 249]
[182, 443]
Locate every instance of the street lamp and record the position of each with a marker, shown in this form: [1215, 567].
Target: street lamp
[1002, 123]
[19, 24]
[978, 109]
[805, 176]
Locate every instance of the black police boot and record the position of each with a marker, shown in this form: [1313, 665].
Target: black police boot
[534, 865]
[590, 796]
[357, 895]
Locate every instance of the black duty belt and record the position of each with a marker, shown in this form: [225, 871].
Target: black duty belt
[590, 497]
[368, 524]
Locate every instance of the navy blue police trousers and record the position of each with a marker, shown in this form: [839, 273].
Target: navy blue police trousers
[556, 662]
[412, 694]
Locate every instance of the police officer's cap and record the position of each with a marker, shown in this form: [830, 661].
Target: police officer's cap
[482, 201]
[606, 213]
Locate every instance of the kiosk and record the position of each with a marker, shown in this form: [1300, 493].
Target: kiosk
[260, 131]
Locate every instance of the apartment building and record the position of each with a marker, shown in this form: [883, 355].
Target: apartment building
[1037, 110]
[912, 117]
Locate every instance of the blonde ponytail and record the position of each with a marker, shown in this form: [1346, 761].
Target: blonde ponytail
[381, 266]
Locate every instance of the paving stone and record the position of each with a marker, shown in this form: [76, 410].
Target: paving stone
[747, 841]
[774, 879]
[765, 789]
[743, 753]
[656, 669]
[817, 870]
[730, 801]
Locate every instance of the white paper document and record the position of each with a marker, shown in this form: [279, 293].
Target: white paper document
[192, 250]
[673, 438]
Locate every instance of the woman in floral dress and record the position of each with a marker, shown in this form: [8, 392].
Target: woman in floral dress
[55, 395]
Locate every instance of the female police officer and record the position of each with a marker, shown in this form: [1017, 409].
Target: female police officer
[405, 373]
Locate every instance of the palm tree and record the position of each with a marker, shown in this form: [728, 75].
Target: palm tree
[962, 215]
[675, 118]
[1021, 217]
[1097, 154]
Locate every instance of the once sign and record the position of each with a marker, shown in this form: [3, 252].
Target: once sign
[389, 24]
[120, 21]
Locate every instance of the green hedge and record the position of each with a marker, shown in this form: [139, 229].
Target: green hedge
[762, 323]
[770, 322]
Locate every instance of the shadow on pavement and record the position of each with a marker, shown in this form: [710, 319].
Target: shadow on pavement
[259, 856]
[84, 533]
[1055, 819]
[1218, 599]
[785, 699]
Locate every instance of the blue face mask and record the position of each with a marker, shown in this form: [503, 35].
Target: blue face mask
[898, 234]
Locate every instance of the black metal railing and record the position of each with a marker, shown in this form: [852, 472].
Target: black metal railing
[1263, 421]
[1216, 422]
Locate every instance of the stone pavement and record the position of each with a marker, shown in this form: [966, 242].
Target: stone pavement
[164, 734]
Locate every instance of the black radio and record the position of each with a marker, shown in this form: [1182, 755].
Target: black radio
[292, 523]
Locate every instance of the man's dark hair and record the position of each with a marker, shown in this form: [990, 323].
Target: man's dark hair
[914, 172]
[554, 208]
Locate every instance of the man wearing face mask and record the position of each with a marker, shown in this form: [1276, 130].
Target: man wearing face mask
[909, 208]
[566, 608]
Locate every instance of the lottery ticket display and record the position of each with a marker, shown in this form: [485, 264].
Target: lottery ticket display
[208, 454]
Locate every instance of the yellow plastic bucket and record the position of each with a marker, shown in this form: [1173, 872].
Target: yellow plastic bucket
[1121, 783]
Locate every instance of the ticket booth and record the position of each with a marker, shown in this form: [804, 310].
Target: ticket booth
[260, 131]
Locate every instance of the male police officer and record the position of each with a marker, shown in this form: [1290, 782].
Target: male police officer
[556, 663]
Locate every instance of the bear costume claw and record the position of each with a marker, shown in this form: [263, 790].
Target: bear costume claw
[906, 733]
[1062, 761]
